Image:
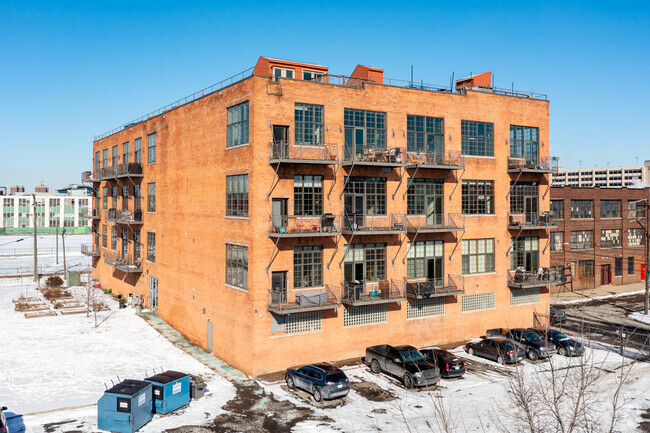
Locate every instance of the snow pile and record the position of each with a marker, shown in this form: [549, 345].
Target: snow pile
[639, 316]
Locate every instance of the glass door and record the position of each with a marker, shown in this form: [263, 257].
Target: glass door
[279, 287]
[531, 209]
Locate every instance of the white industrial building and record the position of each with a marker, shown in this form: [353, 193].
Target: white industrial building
[604, 177]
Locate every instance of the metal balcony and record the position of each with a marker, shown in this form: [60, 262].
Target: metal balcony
[90, 250]
[527, 165]
[450, 160]
[435, 288]
[123, 263]
[292, 226]
[437, 223]
[374, 224]
[128, 217]
[288, 152]
[532, 221]
[394, 157]
[524, 279]
[380, 292]
[87, 177]
[132, 169]
[283, 302]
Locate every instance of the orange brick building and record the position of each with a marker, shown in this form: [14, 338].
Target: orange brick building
[289, 215]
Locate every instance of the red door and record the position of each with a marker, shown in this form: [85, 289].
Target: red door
[605, 275]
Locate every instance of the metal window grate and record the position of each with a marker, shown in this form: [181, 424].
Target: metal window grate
[425, 308]
[524, 296]
[481, 301]
[366, 315]
[303, 322]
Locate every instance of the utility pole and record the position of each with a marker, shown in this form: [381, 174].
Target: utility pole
[57, 243]
[35, 240]
[63, 242]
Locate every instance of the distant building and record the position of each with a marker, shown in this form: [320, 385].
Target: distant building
[74, 189]
[52, 210]
[16, 188]
[42, 188]
[609, 177]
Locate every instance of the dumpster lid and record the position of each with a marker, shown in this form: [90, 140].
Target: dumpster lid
[128, 387]
[166, 377]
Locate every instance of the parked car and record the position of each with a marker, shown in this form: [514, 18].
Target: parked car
[405, 362]
[449, 364]
[4, 428]
[498, 349]
[565, 345]
[322, 381]
[557, 316]
[534, 345]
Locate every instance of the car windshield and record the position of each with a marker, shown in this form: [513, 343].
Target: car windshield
[559, 336]
[532, 336]
[336, 377]
[411, 356]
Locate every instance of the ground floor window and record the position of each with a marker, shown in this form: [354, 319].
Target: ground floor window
[524, 296]
[586, 268]
[630, 265]
[365, 315]
[425, 308]
[478, 302]
[618, 266]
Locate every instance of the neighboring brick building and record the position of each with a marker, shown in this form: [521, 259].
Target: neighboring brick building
[288, 215]
[600, 239]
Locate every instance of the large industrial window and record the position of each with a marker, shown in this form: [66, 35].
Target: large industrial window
[610, 238]
[582, 240]
[237, 195]
[478, 302]
[137, 151]
[151, 148]
[237, 266]
[557, 208]
[151, 247]
[365, 196]
[618, 266]
[113, 239]
[365, 262]
[610, 208]
[425, 197]
[307, 195]
[237, 125]
[478, 256]
[307, 267]
[557, 241]
[136, 244]
[478, 197]
[581, 209]
[524, 142]
[425, 259]
[477, 138]
[634, 237]
[137, 196]
[524, 296]
[309, 124]
[586, 268]
[425, 308]
[366, 315]
[634, 210]
[104, 236]
[105, 198]
[125, 243]
[524, 253]
[125, 153]
[630, 265]
[114, 197]
[425, 134]
[364, 130]
[98, 162]
[105, 158]
[524, 198]
[151, 197]
[125, 197]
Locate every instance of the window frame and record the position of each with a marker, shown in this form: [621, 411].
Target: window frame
[309, 124]
[237, 266]
[237, 188]
[237, 125]
[151, 148]
[480, 201]
[470, 132]
[151, 247]
[307, 264]
[467, 254]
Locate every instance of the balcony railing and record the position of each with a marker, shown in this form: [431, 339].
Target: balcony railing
[128, 216]
[111, 215]
[436, 223]
[287, 226]
[90, 250]
[525, 279]
[532, 221]
[435, 287]
[450, 160]
[374, 224]
[394, 157]
[283, 151]
[284, 302]
[123, 263]
[379, 292]
[87, 177]
[132, 169]
[527, 165]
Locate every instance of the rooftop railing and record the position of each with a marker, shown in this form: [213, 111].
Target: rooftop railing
[450, 160]
[532, 221]
[435, 223]
[524, 279]
[282, 301]
[435, 287]
[374, 224]
[285, 151]
[379, 292]
[296, 226]
[395, 156]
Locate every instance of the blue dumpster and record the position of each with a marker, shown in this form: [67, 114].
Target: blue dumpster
[171, 390]
[125, 407]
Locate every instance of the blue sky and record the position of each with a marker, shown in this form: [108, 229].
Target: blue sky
[71, 70]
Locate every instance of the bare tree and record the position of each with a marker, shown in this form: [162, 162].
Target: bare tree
[91, 299]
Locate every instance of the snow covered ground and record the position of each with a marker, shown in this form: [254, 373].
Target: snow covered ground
[640, 317]
[16, 254]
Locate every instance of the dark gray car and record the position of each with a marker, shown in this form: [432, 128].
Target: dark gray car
[497, 349]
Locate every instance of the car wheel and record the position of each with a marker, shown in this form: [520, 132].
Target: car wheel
[471, 351]
[532, 355]
[409, 383]
[317, 394]
[563, 351]
[500, 360]
[374, 366]
[290, 383]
